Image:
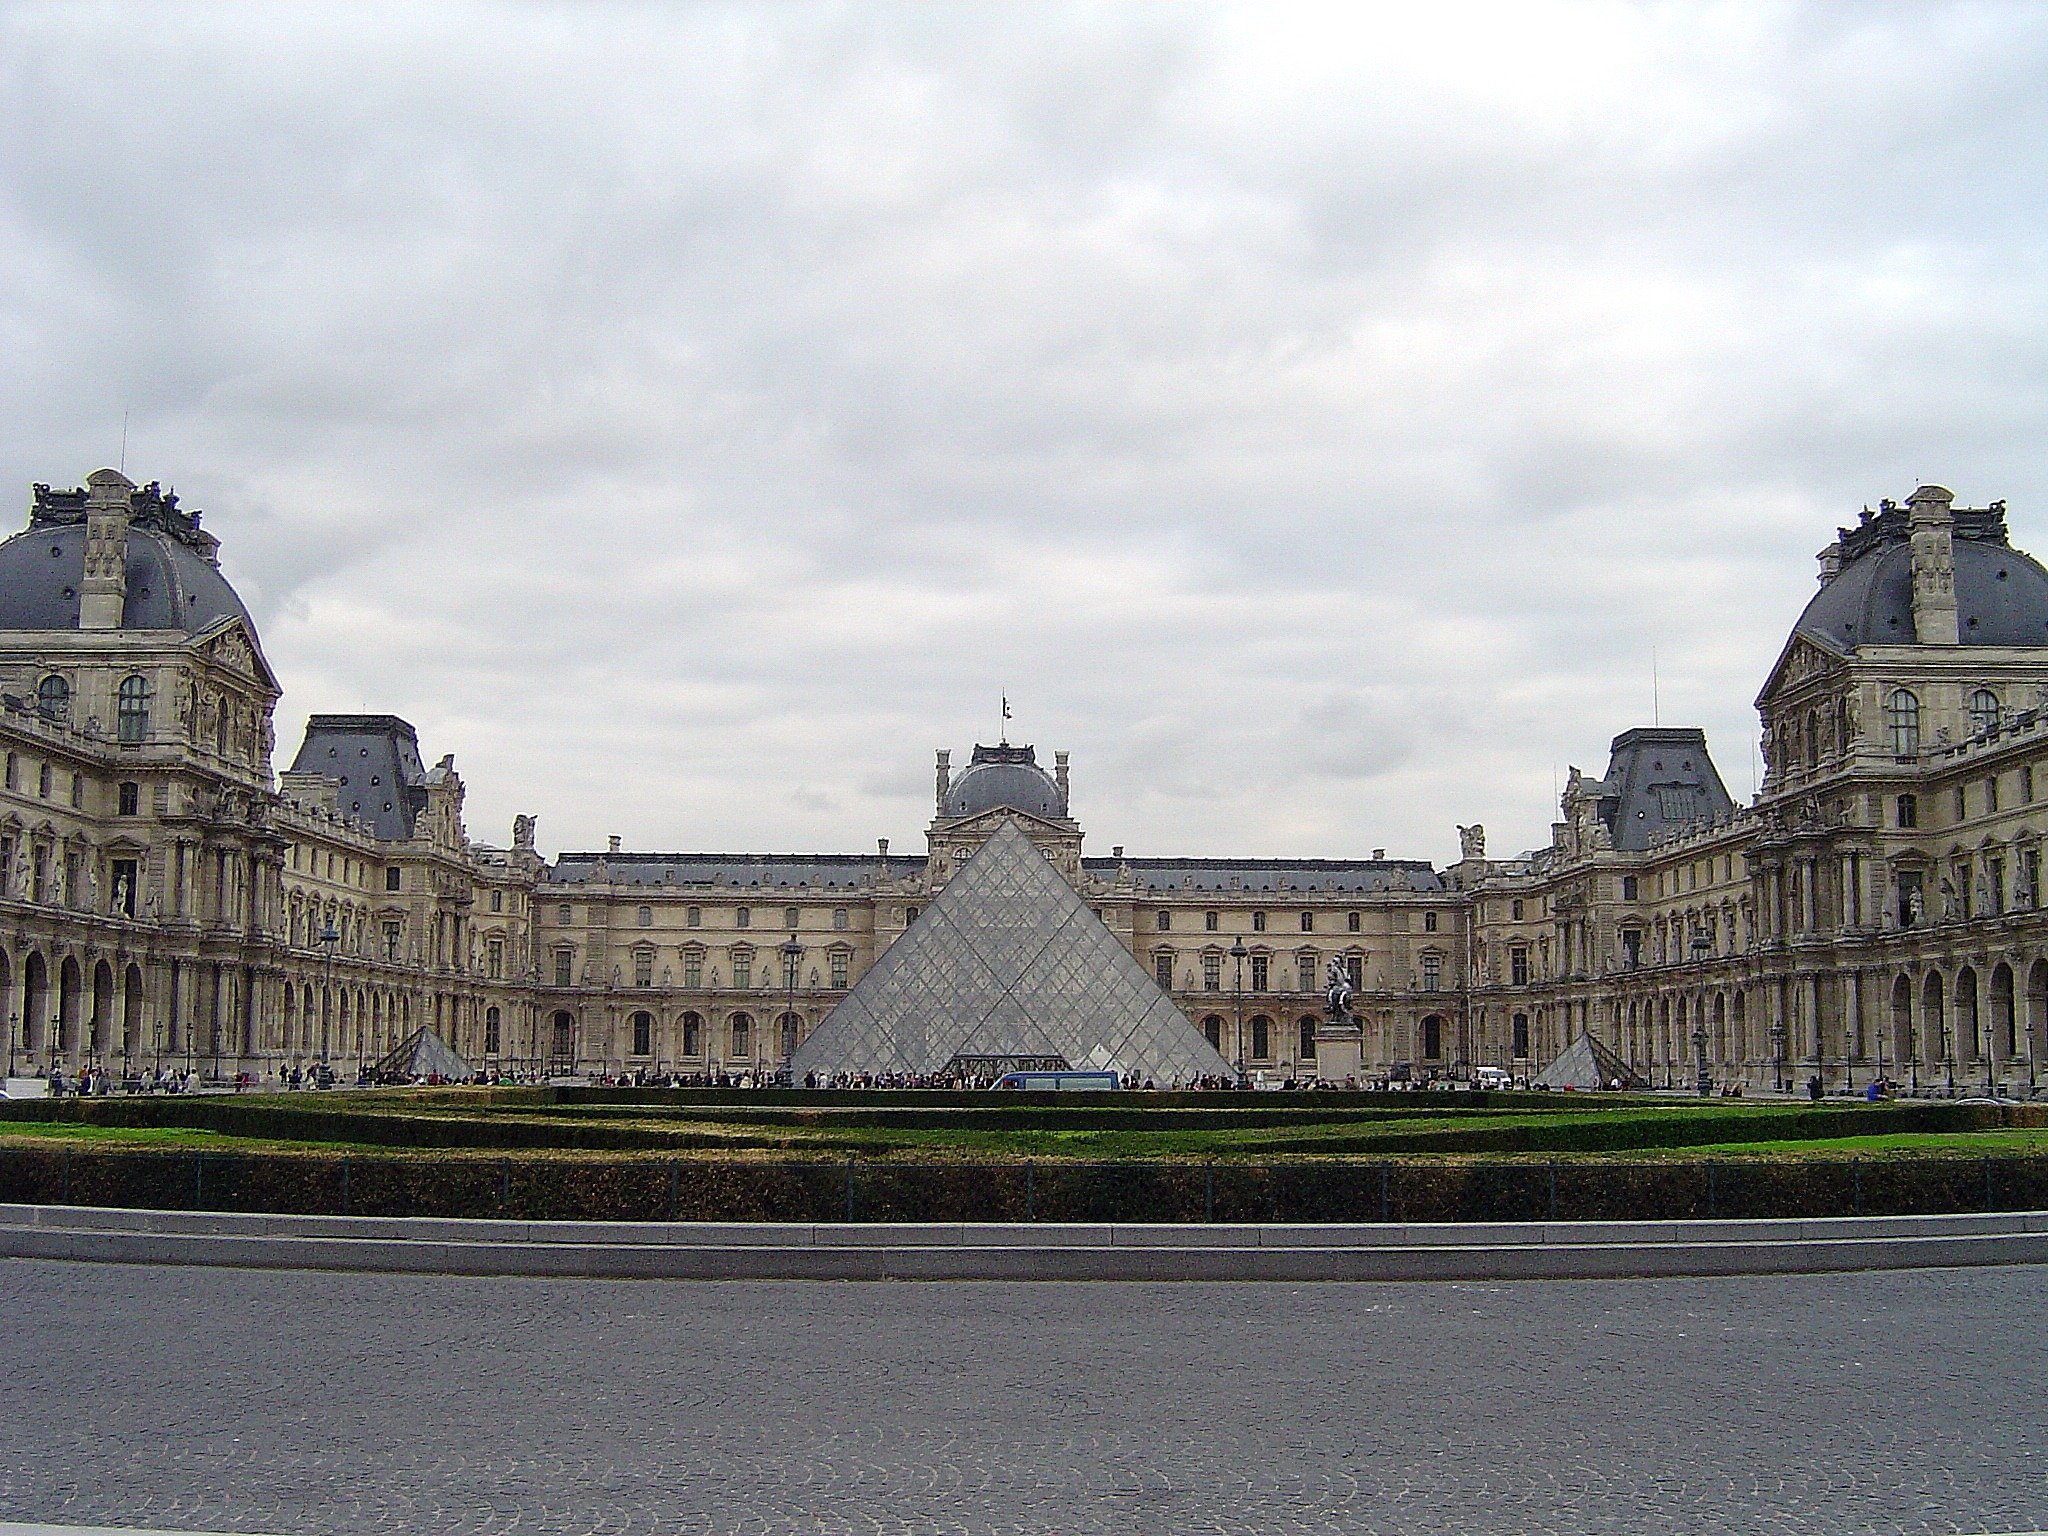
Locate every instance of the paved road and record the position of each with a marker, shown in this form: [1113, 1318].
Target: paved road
[239, 1401]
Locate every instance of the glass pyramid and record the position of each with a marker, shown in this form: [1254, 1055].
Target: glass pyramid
[1008, 962]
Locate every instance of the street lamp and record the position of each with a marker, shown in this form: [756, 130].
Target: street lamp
[13, 1039]
[792, 958]
[1237, 953]
[1699, 1055]
[1778, 1054]
[329, 939]
[1948, 1050]
[157, 1040]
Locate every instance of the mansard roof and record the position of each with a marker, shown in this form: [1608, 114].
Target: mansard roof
[1660, 780]
[376, 761]
[2001, 593]
[774, 871]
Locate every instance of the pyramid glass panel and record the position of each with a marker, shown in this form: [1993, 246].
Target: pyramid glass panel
[1008, 962]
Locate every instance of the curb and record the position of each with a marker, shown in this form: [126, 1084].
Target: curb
[954, 1251]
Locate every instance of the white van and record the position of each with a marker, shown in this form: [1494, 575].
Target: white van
[1492, 1078]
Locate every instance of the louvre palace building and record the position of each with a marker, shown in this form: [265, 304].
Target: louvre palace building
[172, 892]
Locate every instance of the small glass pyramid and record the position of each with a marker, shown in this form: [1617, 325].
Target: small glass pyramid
[1008, 963]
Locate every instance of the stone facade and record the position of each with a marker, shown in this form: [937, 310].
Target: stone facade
[168, 898]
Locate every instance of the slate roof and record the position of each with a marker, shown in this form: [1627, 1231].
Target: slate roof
[2001, 594]
[376, 759]
[1660, 780]
[174, 581]
[852, 871]
[1004, 775]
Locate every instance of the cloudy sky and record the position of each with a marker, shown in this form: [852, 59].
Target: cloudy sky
[1313, 418]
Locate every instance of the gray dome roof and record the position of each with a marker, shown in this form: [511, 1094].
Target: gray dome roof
[2001, 594]
[172, 580]
[1004, 776]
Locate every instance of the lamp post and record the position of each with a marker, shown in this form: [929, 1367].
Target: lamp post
[1948, 1050]
[1882, 1030]
[157, 1041]
[792, 958]
[1699, 1056]
[1778, 1054]
[329, 938]
[1237, 953]
[13, 1040]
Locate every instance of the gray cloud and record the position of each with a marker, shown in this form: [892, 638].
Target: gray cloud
[1313, 418]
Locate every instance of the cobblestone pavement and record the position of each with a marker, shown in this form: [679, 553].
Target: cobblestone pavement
[279, 1402]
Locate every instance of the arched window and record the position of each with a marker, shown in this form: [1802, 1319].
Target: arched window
[645, 917]
[1307, 1030]
[1212, 1031]
[491, 1020]
[131, 709]
[53, 698]
[742, 1036]
[693, 1034]
[1902, 720]
[1432, 1038]
[1262, 1037]
[643, 1034]
[1983, 710]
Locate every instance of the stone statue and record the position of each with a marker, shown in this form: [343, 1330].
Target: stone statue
[121, 896]
[1337, 991]
[1951, 907]
[92, 887]
[1472, 842]
[522, 831]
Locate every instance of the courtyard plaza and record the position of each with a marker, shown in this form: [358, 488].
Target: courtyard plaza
[288, 1403]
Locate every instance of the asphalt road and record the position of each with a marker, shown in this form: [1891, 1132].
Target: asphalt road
[279, 1402]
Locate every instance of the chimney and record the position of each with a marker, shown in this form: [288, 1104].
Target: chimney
[1830, 562]
[614, 842]
[1934, 565]
[1379, 855]
[1059, 777]
[104, 592]
[945, 778]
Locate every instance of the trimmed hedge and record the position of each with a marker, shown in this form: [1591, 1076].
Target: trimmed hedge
[601, 1188]
[496, 1120]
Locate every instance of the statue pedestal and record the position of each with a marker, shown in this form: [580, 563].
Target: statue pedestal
[1340, 1051]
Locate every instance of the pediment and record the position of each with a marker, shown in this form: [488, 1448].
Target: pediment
[1802, 660]
[230, 644]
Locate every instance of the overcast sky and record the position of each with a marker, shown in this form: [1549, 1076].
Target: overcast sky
[1313, 418]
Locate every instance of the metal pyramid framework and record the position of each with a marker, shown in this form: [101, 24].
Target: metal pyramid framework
[1008, 964]
[425, 1054]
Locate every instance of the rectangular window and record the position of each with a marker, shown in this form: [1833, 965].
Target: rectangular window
[497, 901]
[1354, 967]
[1165, 921]
[1631, 947]
[1515, 910]
[1991, 795]
[394, 879]
[791, 918]
[1162, 969]
[1432, 972]
[491, 1041]
[1521, 1034]
[77, 791]
[1629, 887]
[1262, 1038]
[565, 967]
[130, 799]
[2030, 876]
[643, 968]
[840, 962]
[839, 919]
[1209, 919]
[693, 968]
[1261, 970]
[1212, 973]
[1518, 965]
[1353, 921]
[1305, 967]
[1962, 803]
[694, 917]
[1908, 808]
[13, 771]
[743, 968]
[391, 936]
[1308, 922]
[643, 1034]
[1429, 922]
[1258, 922]
[744, 918]
[2027, 785]
[494, 958]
